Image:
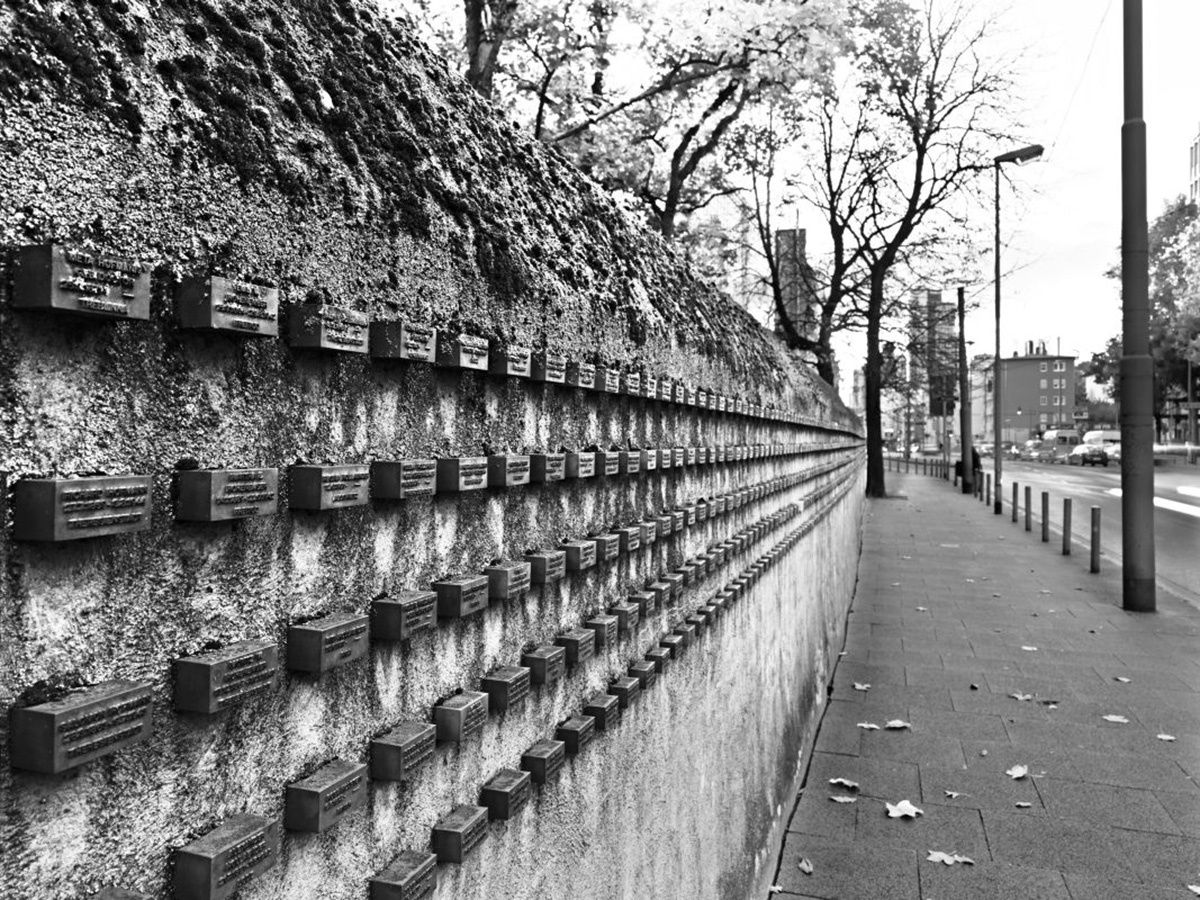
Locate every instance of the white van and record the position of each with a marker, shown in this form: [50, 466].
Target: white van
[1109, 436]
[1061, 441]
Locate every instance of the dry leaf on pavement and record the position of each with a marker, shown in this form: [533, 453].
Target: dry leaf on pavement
[1028, 648]
[1017, 772]
[903, 809]
[1021, 804]
[842, 798]
[1122, 679]
[922, 609]
[845, 782]
[1194, 888]
[1120, 720]
[953, 795]
[869, 726]
[949, 858]
[1165, 737]
[897, 724]
[1019, 696]
[861, 686]
[805, 866]
[775, 889]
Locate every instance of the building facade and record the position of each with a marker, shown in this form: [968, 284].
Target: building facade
[1037, 394]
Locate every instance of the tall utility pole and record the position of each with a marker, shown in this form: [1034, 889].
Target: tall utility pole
[1137, 397]
[964, 401]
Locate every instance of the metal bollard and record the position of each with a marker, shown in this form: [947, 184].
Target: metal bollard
[1066, 526]
[1045, 517]
[1028, 508]
[1095, 567]
[1015, 507]
[989, 489]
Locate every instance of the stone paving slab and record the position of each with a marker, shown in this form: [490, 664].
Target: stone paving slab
[1108, 810]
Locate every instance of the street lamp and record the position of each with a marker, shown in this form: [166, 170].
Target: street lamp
[1033, 151]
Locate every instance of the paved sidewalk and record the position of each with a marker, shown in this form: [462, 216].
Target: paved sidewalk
[956, 611]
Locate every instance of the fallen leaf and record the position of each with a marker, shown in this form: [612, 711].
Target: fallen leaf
[1120, 720]
[895, 584]
[906, 557]
[983, 753]
[842, 798]
[775, 889]
[1023, 805]
[922, 609]
[869, 726]
[969, 580]
[953, 795]
[995, 595]
[1017, 772]
[805, 866]
[1165, 737]
[1194, 888]
[1028, 648]
[1048, 702]
[897, 724]
[1122, 679]
[1044, 591]
[860, 686]
[845, 782]
[949, 546]
[974, 687]
[1020, 696]
[842, 653]
[1051, 706]
[903, 809]
[949, 858]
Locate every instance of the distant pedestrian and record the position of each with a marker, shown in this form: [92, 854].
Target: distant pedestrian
[976, 462]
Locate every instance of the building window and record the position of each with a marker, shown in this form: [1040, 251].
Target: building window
[1057, 399]
[1042, 401]
[1041, 367]
[1044, 418]
[1059, 366]
[1042, 384]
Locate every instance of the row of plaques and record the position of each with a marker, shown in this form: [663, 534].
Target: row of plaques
[217, 864]
[61, 735]
[68, 280]
[66, 509]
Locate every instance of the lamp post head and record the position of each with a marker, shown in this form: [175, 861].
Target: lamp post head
[1024, 154]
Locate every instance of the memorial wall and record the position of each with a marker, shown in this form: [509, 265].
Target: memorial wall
[387, 513]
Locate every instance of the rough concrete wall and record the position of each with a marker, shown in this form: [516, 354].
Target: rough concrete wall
[109, 137]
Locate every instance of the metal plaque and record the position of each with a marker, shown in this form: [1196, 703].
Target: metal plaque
[218, 679]
[459, 833]
[581, 464]
[461, 596]
[403, 340]
[505, 793]
[460, 716]
[401, 479]
[546, 663]
[605, 709]
[396, 617]
[396, 754]
[575, 733]
[321, 326]
[605, 628]
[580, 554]
[644, 671]
[508, 579]
[506, 687]
[321, 488]
[218, 865]
[581, 375]
[54, 277]
[625, 689]
[543, 760]
[580, 644]
[508, 471]
[218, 495]
[323, 799]
[549, 367]
[325, 643]
[411, 876]
[462, 473]
[512, 360]
[462, 351]
[69, 509]
[547, 467]
[226, 304]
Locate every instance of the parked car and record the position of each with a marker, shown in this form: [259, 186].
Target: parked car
[1091, 455]
[1113, 451]
[1030, 450]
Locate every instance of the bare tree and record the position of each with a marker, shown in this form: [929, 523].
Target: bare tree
[488, 23]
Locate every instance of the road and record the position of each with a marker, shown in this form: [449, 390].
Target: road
[1176, 520]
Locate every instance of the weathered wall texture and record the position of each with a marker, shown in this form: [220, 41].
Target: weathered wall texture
[315, 145]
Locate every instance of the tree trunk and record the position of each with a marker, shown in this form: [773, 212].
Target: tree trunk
[874, 384]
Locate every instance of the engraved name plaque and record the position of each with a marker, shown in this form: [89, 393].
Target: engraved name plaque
[580, 644]
[398, 616]
[575, 733]
[608, 379]
[460, 716]
[660, 656]
[459, 833]
[506, 687]
[328, 642]
[462, 351]
[461, 596]
[462, 473]
[546, 664]
[218, 679]
[627, 615]
[666, 458]
[53, 277]
[322, 488]
[225, 304]
[395, 755]
[665, 525]
[218, 495]
[687, 630]
[644, 671]
[649, 530]
[411, 876]
[508, 580]
[83, 726]
[649, 460]
[323, 799]
[543, 760]
[644, 601]
[581, 464]
[512, 360]
[403, 340]
[661, 591]
[580, 554]
[581, 375]
[631, 383]
[605, 709]
[508, 471]
[400, 479]
[547, 467]
[218, 865]
[608, 462]
[675, 580]
[605, 628]
[608, 547]
[674, 643]
[69, 509]
[505, 793]
[630, 538]
[320, 326]
[546, 566]
[549, 367]
[625, 689]
[629, 462]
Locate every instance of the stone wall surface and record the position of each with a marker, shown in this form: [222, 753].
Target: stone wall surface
[318, 147]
